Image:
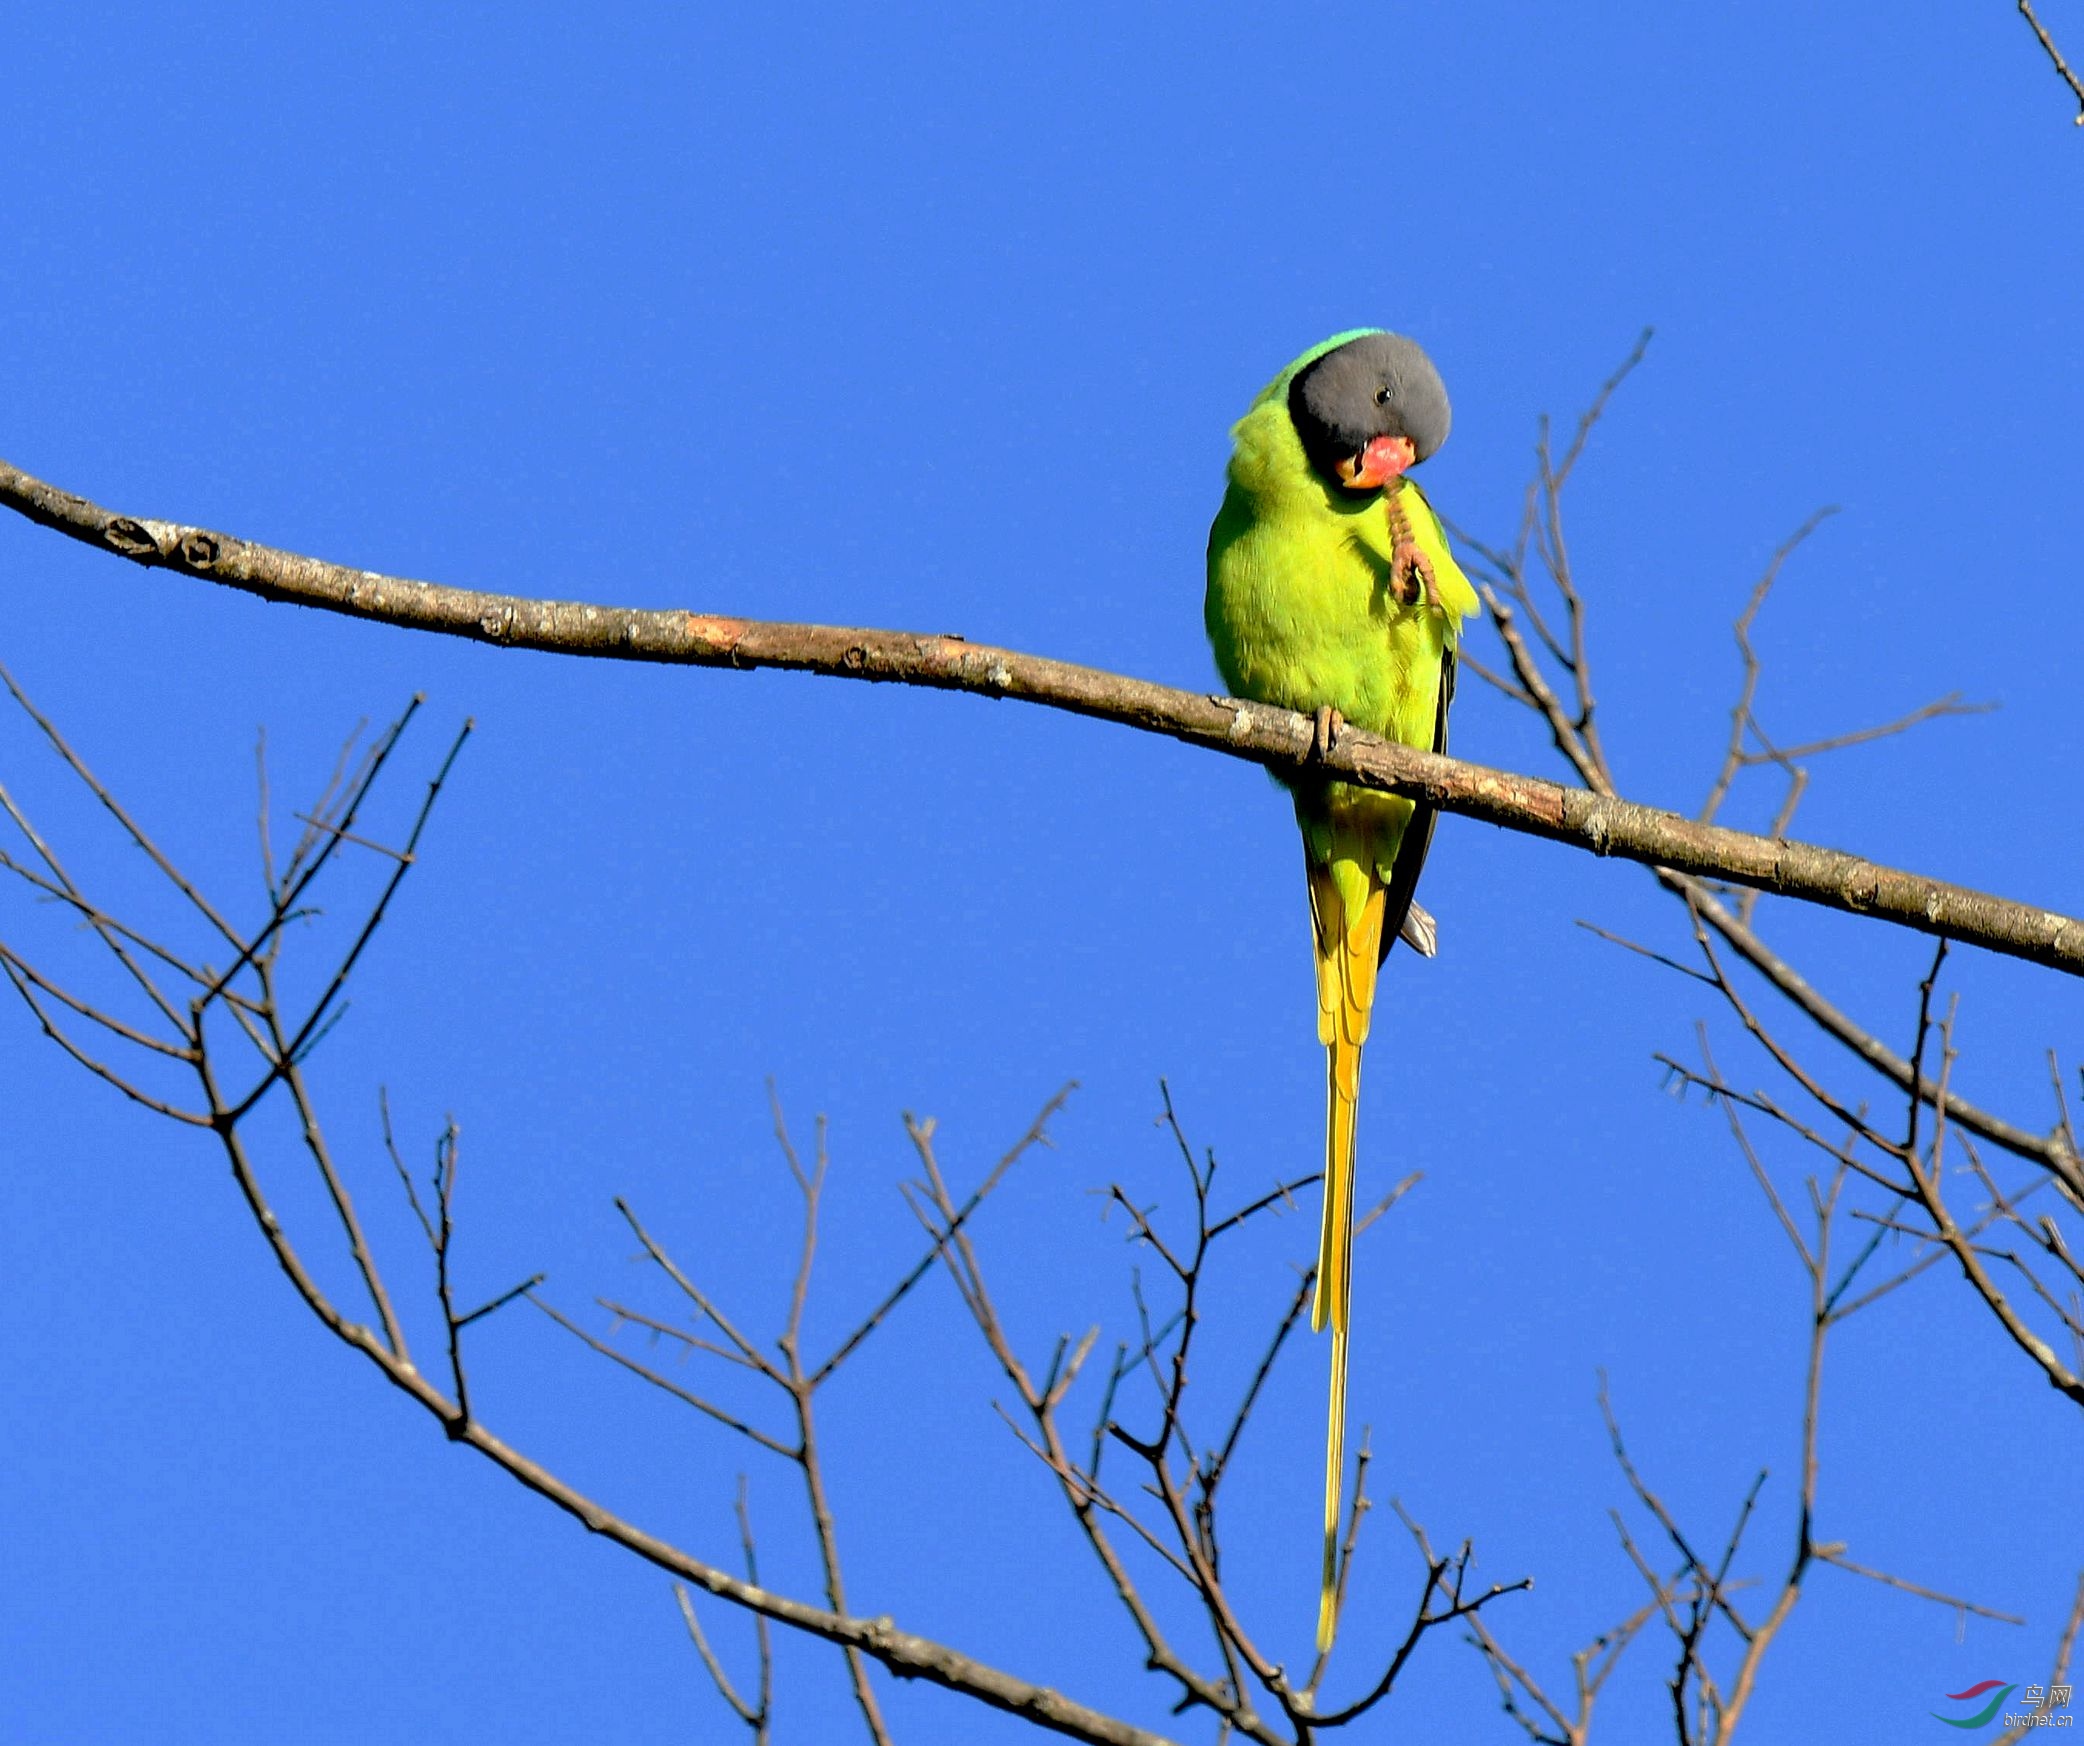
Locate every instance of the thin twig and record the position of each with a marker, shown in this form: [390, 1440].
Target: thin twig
[1832, 1555]
[2054, 54]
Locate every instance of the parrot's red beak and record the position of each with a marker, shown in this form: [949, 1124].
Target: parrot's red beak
[1384, 459]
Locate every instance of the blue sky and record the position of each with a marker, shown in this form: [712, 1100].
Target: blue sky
[875, 317]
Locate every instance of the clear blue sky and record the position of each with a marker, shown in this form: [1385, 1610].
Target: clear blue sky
[871, 317]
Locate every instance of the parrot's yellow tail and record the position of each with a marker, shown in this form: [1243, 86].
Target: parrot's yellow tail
[1346, 910]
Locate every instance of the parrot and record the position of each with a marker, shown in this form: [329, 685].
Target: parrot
[1332, 591]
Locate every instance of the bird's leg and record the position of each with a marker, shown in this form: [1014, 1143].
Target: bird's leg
[1411, 577]
[1324, 734]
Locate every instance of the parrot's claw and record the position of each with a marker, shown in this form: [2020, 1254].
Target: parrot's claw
[1324, 733]
[1411, 577]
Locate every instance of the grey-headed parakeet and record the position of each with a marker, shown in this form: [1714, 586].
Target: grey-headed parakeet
[1331, 590]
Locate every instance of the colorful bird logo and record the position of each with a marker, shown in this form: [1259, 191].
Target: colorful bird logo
[1981, 1718]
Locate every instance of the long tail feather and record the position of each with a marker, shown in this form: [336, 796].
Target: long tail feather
[1334, 1478]
[1346, 909]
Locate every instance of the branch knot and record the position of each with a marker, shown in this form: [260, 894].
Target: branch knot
[132, 538]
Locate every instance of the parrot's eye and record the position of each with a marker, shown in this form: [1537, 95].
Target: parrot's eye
[1382, 395]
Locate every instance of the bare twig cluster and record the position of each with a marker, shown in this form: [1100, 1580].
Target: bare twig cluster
[1550, 675]
[1168, 1508]
[1866, 1184]
[794, 1377]
[242, 1039]
[227, 1024]
[1717, 1644]
[1695, 1598]
[2010, 1247]
[1161, 1524]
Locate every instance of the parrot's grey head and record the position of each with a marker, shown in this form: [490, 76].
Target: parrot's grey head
[1368, 409]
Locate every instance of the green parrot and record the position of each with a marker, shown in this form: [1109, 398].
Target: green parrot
[1331, 590]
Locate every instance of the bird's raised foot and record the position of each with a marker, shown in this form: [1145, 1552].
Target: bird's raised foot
[1411, 577]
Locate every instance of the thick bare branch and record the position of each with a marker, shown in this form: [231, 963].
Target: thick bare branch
[1600, 823]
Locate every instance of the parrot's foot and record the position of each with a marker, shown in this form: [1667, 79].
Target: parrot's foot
[1411, 577]
[1324, 733]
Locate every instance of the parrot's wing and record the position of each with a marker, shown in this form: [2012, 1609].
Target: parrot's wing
[1418, 838]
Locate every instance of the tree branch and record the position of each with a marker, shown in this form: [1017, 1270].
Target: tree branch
[905, 1655]
[2054, 54]
[1602, 824]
